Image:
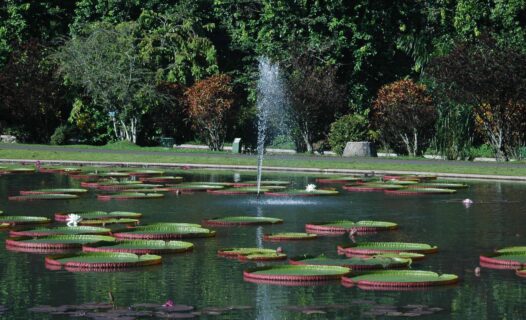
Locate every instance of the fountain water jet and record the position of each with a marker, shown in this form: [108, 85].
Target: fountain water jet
[271, 99]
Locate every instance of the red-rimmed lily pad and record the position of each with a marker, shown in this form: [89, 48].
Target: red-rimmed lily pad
[146, 173]
[67, 170]
[4, 225]
[101, 260]
[371, 187]
[52, 196]
[414, 191]
[344, 179]
[400, 278]
[241, 220]
[193, 187]
[20, 170]
[355, 263]
[166, 231]
[343, 226]
[441, 185]
[517, 249]
[104, 222]
[17, 220]
[114, 174]
[512, 259]
[42, 232]
[126, 186]
[402, 182]
[91, 215]
[521, 273]
[264, 183]
[140, 246]
[238, 191]
[129, 195]
[386, 247]
[301, 273]
[56, 242]
[302, 193]
[163, 179]
[289, 236]
[252, 254]
[54, 191]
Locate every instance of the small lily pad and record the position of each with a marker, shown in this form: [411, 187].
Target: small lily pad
[287, 236]
[241, 220]
[252, 254]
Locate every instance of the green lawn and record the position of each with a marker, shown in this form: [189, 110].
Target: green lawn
[224, 158]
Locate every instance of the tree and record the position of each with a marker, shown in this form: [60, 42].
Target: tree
[106, 64]
[404, 114]
[315, 100]
[211, 108]
[492, 79]
[32, 101]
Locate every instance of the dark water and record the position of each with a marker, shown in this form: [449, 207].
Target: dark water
[202, 279]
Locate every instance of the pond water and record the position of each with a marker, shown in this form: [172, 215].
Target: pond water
[202, 279]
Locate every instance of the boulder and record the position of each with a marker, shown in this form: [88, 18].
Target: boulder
[359, 149]
[5, 138]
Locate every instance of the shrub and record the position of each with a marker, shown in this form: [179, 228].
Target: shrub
[351, 127]
[60, 136]
[404, 114]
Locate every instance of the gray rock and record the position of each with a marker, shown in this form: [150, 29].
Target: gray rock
[5, 138]
[359, 149]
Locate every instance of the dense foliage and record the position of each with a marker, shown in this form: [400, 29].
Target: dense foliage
[108, 70]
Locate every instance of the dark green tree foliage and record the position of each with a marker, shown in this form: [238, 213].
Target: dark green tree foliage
[492, 79]
[33, 103]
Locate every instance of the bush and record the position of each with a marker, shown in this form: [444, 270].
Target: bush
[351, 127]
[60, 136]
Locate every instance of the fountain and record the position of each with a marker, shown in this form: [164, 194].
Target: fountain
[271, 99]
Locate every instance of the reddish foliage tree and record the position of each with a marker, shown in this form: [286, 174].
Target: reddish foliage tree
[493, 80]
[404, 114]
[210, 107]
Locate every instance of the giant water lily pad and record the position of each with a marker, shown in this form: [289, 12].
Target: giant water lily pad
[372, 187]
[288, 236]
[521, 273]
[69, 170]
[16, 220]
[419, 191]
[339, 179]
[442, 185]
[56, 242]
[194, 187]
[512, 259]
[114, 174]
[386, 247]
[105, 222]
[140, 246]
[302, 193]
[163, 179]
[101, 260]
[342, 226]
[92, 215]
[54, 196]
[20, 170]
[41, 232]
[518, 249]
[263, 183]
[164, 231]
[54, 191]
[400, 278]
[402, 182]
[146, 173]
[355, 263]
[130, 195]
[238, 191]
[241, 220]
[302, 273]
[127, 186]
[252, 254]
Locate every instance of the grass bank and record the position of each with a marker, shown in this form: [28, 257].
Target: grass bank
[153, 155]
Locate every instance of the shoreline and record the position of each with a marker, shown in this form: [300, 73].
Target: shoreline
[170, 165]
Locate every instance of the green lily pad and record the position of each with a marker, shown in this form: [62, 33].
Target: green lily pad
[285, 236]
[238, 191]
[146, 172]
[140, 246]
[302, 193]
[301, 273]
[54, 191]
[241, 220]
[56, 242]
[355, 263]
[41, 232]
[400, 278]
[101, 260]
[263, 183]
[442, 185]
[191, 187]
[20, 170]
[386, 247]
[163, 179]
[402, 182]
[372, 187]
[512, 249]
[91, 215]
[252, 254]
[339, 179]
[420, 191]
[114, 174]
[104, 222]
[16, 220]
[342, 226]
[130, 195]
[509, 258]
[53, 196]
[163, 231]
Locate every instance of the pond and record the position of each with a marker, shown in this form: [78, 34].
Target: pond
[202, 279]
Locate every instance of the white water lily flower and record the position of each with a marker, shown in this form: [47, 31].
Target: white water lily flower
[73, 220]
[310, 188]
